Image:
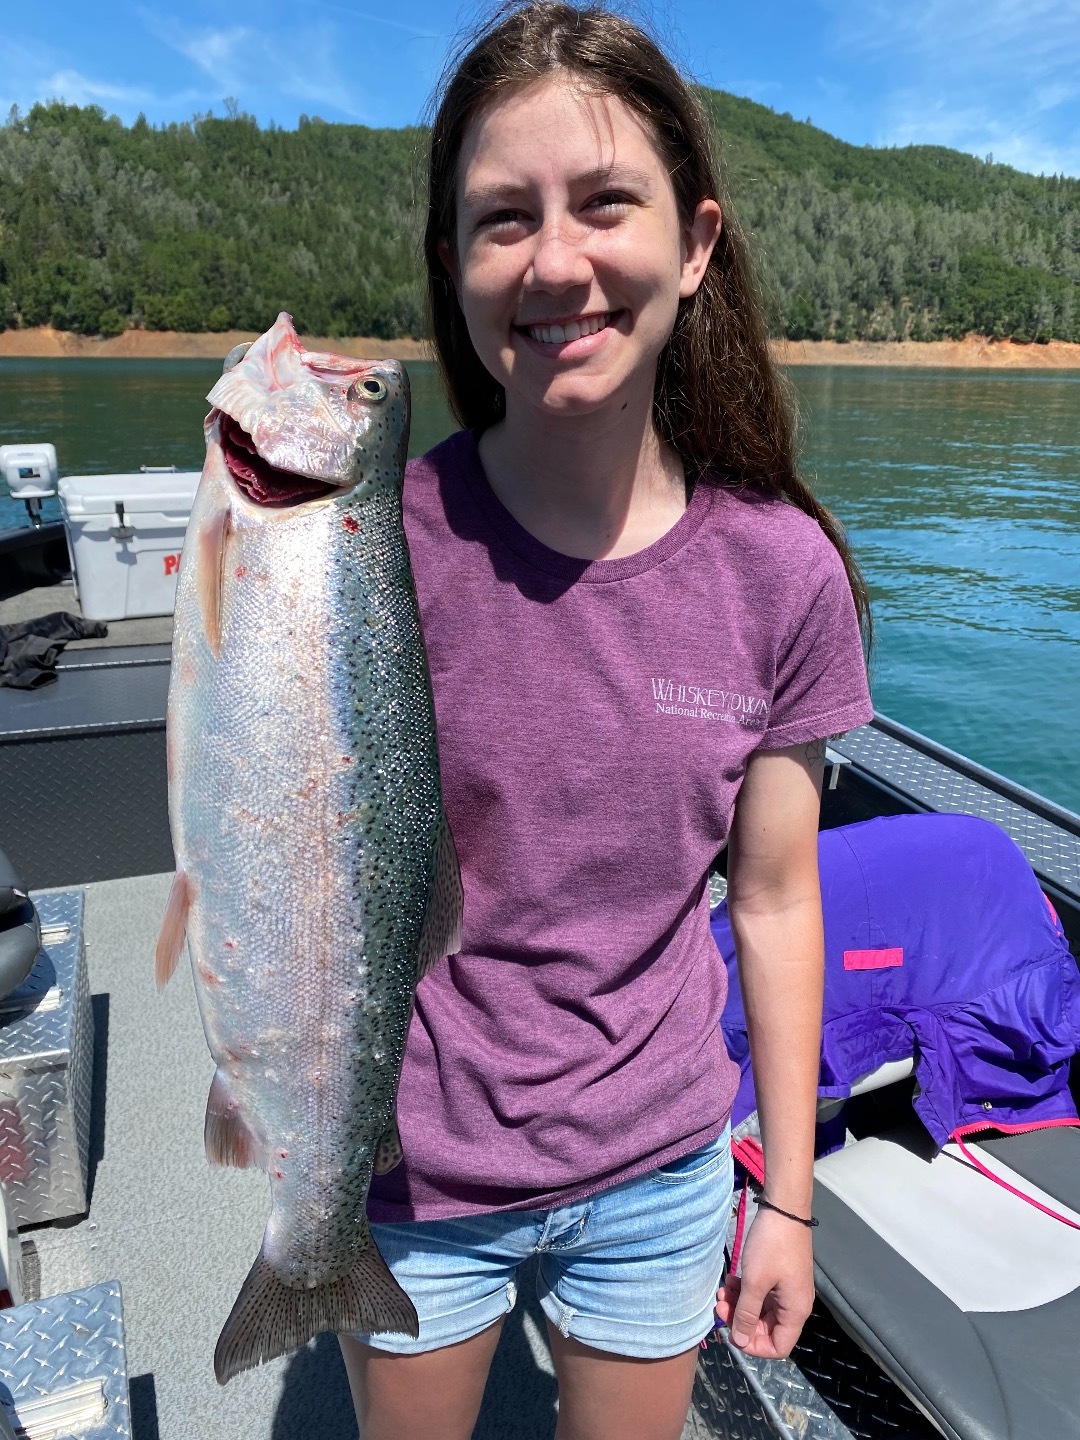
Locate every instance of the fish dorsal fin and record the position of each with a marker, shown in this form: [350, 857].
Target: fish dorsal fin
[442, 922]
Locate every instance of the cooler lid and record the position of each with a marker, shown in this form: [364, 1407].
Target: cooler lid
[139, 494]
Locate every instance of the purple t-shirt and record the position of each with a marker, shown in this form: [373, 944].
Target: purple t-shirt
[595, 719]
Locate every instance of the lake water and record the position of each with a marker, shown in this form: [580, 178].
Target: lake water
[960, 491]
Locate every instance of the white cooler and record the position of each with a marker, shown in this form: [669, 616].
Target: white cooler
[125, 534]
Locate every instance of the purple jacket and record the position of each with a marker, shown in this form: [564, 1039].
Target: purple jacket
[938, 944]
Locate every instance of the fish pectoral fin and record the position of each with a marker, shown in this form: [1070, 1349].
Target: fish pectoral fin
[210, 545]
[173, 929]
[388, 1152]
[271, 1318]
[226, 1136]
[441, 934]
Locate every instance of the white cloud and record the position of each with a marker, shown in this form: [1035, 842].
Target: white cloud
[78, 89]
[914, 117]
[34, 75]
[1028, 38]
[219, 54]
[748, 85]
[1049, 97]
[985, 76]
[249, 63]
[339, 59]
[310, 72]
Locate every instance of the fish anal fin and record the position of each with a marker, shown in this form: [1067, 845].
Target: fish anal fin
[226, 1137]
[271, 1318]
[173, 929]
[211, 543]
[388, 1152]
[441, 934]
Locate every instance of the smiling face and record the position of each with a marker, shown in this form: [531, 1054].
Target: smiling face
[570, 257]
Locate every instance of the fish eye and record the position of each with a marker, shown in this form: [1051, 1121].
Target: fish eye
[370, 389]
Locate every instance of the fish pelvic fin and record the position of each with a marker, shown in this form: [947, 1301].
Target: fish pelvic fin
[441, 934]
[226, 1138]
[271, 1318]
[211, 543]
[388, 1152]
[173, 929]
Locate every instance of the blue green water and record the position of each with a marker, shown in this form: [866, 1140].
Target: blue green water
[961, 494]
[960, 491]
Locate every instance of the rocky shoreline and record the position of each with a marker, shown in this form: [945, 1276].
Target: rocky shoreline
[974, 352]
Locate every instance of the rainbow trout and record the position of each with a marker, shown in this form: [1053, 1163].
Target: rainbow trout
[316, 876]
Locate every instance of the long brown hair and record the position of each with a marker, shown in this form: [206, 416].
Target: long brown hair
[719, 400]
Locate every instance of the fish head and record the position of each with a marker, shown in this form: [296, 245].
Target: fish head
[297, 427]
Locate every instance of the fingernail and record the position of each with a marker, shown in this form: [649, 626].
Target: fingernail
[740, 1337]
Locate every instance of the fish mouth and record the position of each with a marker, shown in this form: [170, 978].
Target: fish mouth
[263, 483]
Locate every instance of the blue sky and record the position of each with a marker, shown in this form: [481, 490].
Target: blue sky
[998, 77]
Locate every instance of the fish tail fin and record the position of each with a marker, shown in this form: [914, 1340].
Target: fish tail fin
[271, 1318]
[173, 929]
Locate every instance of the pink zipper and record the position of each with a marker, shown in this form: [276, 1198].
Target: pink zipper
[977, 1127]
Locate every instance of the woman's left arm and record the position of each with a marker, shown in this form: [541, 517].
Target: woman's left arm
[774, 905]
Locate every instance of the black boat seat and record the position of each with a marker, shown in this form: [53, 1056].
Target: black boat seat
[967, 1295]
[20, 930]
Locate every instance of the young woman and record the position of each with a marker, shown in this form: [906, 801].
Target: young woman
[640, 627]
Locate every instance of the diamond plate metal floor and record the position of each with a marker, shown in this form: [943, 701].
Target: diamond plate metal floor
[67, 1352]
[180, 1237]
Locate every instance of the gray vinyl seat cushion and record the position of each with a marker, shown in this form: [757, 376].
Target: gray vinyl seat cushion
[967, 1295]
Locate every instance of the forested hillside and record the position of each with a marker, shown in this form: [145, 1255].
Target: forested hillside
[218, 224]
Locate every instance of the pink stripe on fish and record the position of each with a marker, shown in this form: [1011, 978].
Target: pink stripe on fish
[873, 959]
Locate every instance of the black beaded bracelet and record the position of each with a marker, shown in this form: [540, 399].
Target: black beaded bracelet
[764, 1204]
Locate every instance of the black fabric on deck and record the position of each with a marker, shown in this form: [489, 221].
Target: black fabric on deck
[29, 649]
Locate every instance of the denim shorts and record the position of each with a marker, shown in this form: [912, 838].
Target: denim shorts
[633, 1270]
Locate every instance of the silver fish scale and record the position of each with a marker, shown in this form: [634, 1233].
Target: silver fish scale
[307, 810]
[383, 672]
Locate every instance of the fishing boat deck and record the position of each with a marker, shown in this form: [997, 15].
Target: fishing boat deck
[180, 1237]
[84, 798]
